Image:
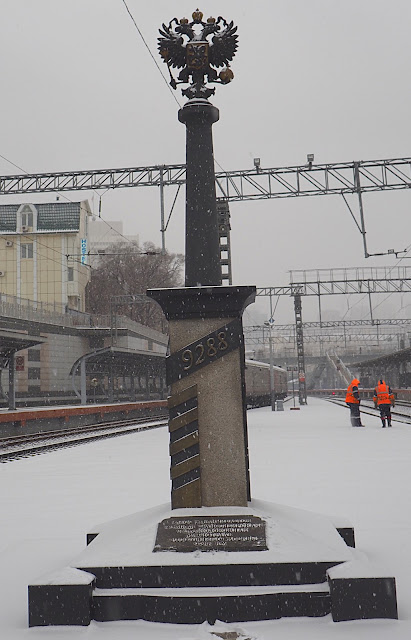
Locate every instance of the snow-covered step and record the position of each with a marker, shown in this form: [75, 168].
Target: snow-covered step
[195, 605]
[210, 575]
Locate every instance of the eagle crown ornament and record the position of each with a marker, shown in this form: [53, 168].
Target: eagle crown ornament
[196, 48]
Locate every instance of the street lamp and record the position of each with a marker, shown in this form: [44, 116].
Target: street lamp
[270, 323]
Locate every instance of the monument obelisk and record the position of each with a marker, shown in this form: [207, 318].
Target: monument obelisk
[205, 369]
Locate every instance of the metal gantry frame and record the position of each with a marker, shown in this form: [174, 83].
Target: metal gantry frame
[330, 330]
[330, 324]
[249, 184]
[336, 282]
[320, 337]
[358, 280]
[341, 178]
[361, 280]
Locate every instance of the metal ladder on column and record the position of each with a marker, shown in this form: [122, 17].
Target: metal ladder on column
[302, 389]
[223, 212]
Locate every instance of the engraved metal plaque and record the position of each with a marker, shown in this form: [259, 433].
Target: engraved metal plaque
[211, 533]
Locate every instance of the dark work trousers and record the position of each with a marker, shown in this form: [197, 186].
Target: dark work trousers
[385, 413]
[355, 414]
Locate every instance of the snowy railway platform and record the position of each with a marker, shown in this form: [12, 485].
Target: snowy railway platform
[310, 459]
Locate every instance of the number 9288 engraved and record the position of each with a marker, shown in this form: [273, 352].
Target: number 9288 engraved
[206, 349]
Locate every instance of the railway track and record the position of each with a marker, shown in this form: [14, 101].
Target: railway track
[22, 446]
[367, 406]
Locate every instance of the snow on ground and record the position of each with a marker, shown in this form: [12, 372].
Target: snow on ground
[311, 459]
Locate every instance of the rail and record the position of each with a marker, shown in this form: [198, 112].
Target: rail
[15, 447]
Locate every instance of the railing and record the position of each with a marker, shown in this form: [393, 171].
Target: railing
[47, 313]
[13, 307]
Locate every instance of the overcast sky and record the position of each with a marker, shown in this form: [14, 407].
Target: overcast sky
[329, 77]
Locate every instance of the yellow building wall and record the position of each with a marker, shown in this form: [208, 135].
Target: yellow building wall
[49, 268]
[27, 276]
[50, 263]
[8, 265]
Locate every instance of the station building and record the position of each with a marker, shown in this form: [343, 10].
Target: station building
[127, 364]
[43, 253]
[44, 270]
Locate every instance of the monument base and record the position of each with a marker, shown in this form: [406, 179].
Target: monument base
[304, 564]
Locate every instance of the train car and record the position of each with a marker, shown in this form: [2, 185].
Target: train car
[257, 379]
[257, 383]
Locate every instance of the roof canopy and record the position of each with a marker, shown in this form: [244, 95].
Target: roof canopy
[390, 358]
[12, 341]
[121, 362]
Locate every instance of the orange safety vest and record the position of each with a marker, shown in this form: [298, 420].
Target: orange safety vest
[383, 393]
[350, 397]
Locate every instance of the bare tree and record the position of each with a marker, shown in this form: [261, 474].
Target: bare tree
[128, 270]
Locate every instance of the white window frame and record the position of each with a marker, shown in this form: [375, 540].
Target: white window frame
[26, 251]
[27, 217]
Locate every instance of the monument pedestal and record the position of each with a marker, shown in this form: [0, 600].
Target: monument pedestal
[286, 563]
[205, 370]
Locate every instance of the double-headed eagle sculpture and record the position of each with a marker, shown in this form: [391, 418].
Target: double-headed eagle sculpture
[196, 48]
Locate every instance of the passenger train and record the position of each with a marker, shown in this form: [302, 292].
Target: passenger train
[257, 383]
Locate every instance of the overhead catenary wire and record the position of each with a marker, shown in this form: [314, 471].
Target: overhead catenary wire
[33, 237]
[100, 217]
[149, 51]
[157, 66]
[46, 258]
[103, 253]
[174, 97]
[12, 163]
[406, 252]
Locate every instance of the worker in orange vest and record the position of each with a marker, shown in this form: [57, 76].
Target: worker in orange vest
[383, 400]
[352, 399]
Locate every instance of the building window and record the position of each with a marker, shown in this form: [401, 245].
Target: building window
[70, 274]
[33, 355]
[27, 250]
[27, 218]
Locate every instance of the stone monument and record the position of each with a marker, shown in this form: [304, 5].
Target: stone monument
[208, 430]
[263, 561]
